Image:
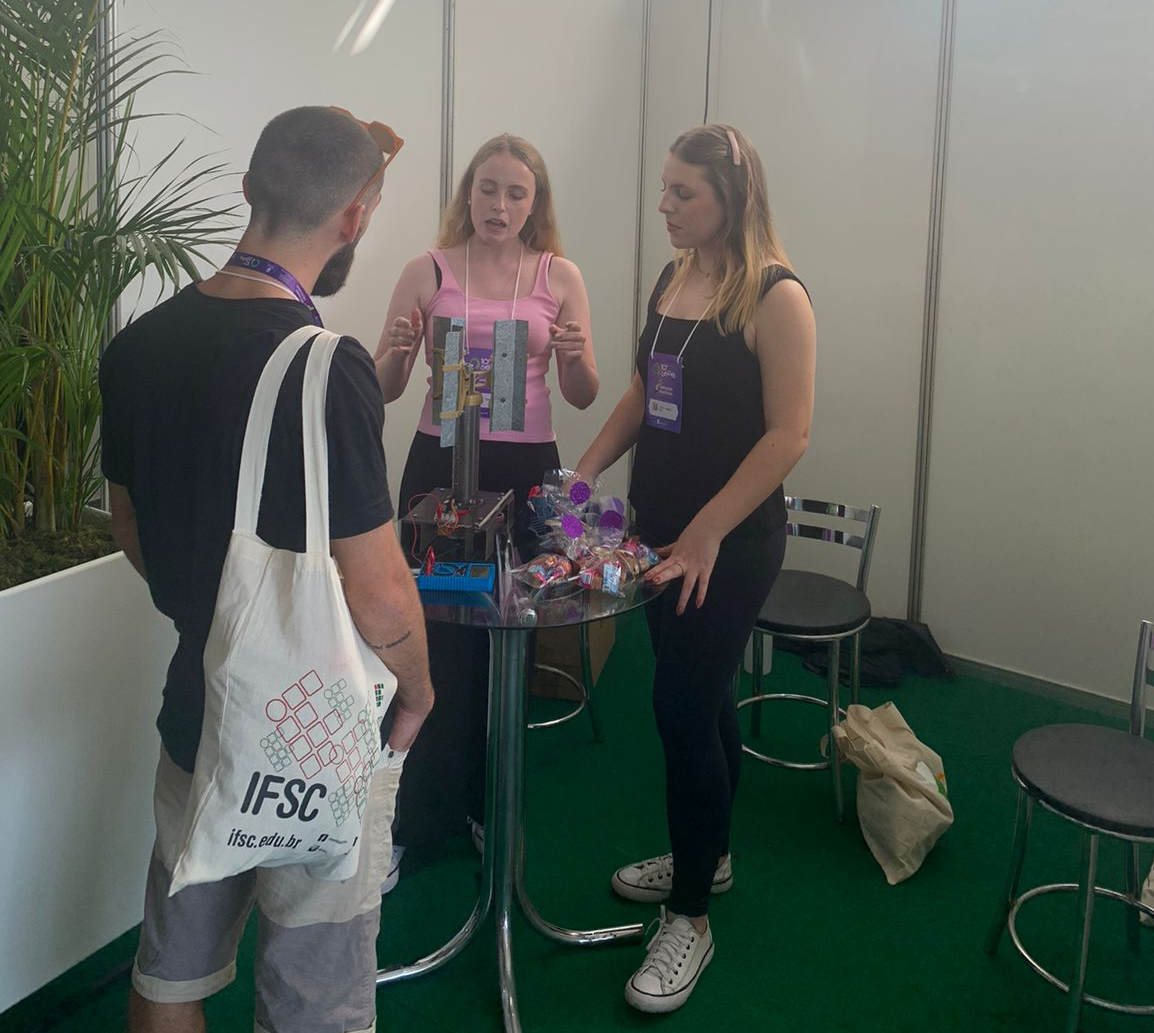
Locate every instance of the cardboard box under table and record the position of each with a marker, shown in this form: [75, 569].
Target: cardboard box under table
[560, 648]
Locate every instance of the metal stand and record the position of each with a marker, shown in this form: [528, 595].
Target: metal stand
[490, 514]
[503, 864]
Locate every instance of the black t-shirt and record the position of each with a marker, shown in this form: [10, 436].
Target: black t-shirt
[177, 385]
[722, 418]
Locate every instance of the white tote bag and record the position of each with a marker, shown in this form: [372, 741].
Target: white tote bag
[902, 800]
[293, 695]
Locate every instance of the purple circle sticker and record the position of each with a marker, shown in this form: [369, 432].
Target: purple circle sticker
[579, 492]
[572, 526]
[611, 520]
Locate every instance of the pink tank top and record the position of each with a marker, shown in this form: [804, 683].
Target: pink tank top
[539, 308]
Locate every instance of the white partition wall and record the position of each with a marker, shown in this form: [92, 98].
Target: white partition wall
[84, 659]
[1039, 555]
[567, 77]
[1038, 419]
[839, 99]
[252, 61]
[674, 101]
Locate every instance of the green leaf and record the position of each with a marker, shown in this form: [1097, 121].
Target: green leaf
[73, 238]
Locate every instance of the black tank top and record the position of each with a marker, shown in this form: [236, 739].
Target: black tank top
[723, 417]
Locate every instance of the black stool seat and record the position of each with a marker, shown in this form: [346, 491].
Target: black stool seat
[1101, 777]
[804, 603]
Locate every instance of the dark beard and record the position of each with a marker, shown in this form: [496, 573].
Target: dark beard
[335, 272]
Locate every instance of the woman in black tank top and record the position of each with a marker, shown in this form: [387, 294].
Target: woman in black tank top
[719, 411]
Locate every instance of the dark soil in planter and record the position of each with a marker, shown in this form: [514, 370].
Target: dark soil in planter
[37, 553]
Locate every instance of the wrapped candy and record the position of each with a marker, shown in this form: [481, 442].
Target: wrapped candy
[570, 492]
[546, 569]
[582, 536]
[604, 576]
[640, 553]
[569, 536]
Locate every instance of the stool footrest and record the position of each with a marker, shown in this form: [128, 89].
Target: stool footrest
[777, 762]
[764, 697]
[1073, 887]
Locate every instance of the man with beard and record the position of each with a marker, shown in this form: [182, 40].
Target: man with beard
[177, 387]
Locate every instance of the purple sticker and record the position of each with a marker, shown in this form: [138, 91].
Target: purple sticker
[572, 526]
[611, 520]
[580, 492]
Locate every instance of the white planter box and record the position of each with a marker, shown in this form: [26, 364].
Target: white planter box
[83, 655]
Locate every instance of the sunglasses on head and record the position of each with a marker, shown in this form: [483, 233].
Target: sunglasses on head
[389, 143]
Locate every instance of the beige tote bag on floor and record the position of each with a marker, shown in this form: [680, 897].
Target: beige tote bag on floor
[901, 791]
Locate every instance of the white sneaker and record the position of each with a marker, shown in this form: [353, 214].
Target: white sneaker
[650, 881]
[1147, 898]
[394, 872]
[676, 956]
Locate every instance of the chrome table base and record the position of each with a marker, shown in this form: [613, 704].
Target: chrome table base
[503, 868]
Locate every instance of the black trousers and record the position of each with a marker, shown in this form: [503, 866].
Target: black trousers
[444, 778]
[697, 655]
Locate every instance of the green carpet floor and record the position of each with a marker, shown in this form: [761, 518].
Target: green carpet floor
[811, 938]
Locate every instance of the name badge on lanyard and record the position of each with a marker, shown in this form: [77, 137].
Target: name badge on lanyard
[664, 405]
[663, 392]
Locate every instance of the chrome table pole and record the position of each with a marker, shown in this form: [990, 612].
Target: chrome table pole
[502, 868]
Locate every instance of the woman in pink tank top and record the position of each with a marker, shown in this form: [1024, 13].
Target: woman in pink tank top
[498, 256]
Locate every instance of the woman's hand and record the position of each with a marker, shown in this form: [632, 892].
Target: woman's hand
[567, 341]
[690, 558]
[404, 334]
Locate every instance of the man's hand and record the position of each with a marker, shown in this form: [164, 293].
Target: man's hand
[409, 712]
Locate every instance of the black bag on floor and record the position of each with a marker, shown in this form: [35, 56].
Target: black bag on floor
[889, 649]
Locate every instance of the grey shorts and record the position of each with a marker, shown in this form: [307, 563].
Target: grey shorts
[316, 955]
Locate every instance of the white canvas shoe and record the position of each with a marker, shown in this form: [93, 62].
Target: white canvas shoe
[651, 880]
[675, 959]
[1147, 898]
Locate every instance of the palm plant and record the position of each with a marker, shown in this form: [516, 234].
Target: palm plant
[75, 233]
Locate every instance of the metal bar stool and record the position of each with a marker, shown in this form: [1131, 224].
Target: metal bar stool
[1102, 781]
[811, 607]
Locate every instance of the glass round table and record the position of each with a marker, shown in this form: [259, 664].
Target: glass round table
[510, 613]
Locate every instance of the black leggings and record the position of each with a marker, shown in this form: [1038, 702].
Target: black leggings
[697, 655]
[445, 771]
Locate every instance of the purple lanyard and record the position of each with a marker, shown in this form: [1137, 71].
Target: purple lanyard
[281, 275]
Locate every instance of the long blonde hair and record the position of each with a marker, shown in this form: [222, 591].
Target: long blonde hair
[540, 230]
[748, 240]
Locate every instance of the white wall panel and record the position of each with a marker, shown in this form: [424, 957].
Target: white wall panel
[674, 101]
[567, 77]
[1039, 553]
[84, 659]
[839, 99]
[254, 60]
